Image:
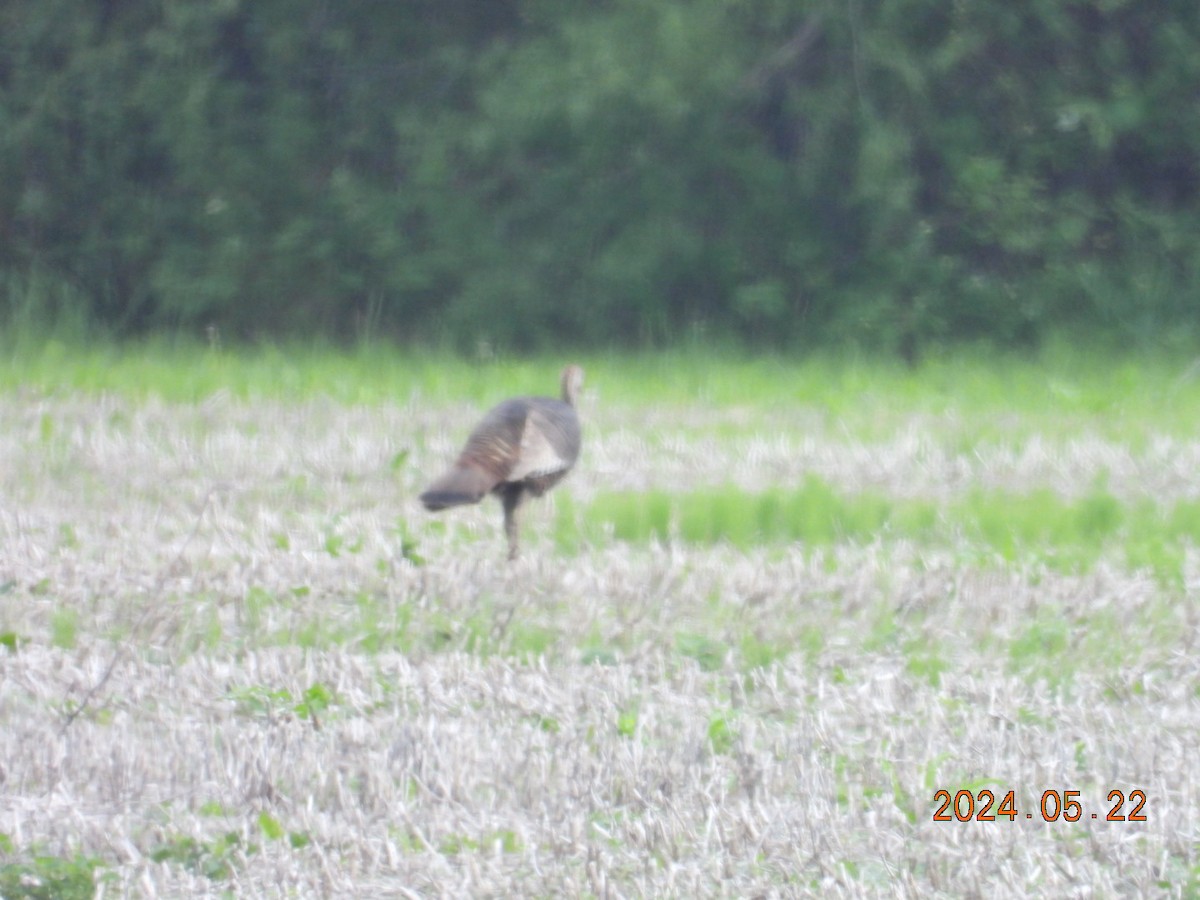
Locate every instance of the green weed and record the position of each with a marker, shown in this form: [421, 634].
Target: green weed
[258, 701]
[54, 878]
[1042, 649]
[216, 860]
[503, 840]
[64, 628]
[759, 654]
[548, 724]
[409, 548]
[270, 826]
[627, 721]
[720, 734]
[41, 876]
[11, 641]
[315, 700]
[901, 797]
[925, 662]
[527, 640]
[708, 653]
[273, 830]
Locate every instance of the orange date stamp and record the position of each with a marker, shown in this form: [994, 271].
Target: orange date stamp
[981, 806]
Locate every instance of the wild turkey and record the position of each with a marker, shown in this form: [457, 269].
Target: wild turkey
[523, 446]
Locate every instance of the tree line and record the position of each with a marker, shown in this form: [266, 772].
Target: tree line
[776, 173]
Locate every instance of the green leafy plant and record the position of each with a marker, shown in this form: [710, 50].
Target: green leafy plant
[721, 736]
[216, 860]
[53, 878]
[259, 701]
[627, 722]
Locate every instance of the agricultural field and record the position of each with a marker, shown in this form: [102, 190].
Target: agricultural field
[776, 609]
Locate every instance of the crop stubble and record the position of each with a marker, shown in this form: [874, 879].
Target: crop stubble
[572, 723]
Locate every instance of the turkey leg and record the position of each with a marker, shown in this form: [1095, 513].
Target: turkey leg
[512, 501]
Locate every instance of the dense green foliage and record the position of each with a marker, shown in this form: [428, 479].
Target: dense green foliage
[521, 172]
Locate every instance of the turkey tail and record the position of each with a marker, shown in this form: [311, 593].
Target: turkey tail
[459, 485]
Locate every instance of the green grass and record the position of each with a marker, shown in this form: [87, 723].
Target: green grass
[1066, 534]
[993, 397]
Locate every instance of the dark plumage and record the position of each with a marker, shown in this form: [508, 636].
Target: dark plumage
[522, 447]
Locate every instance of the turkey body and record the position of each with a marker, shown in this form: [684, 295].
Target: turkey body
[522, 447]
